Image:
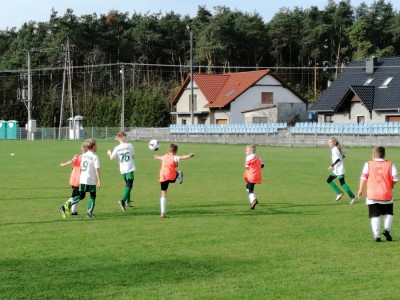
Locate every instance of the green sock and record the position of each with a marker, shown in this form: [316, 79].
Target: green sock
[127, 194]
[334, 187]
[348, 190]
[91, 205]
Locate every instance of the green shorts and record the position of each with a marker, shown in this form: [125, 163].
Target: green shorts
[87, 188]
[128, 176]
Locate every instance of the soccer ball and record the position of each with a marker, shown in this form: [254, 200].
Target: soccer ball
[154, 145]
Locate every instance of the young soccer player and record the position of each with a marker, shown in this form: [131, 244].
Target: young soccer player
[74, 179]
[380, 175]
[90, 174]
[337, 170]
[252, 173]
[168, 173]
[125, 154]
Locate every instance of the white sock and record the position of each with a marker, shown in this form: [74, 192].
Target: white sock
[73, 208]
[387, 221]
[252, 197]
[375, 226]
[163, 204]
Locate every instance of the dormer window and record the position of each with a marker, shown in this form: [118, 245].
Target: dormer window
[386, 83]
[368, 81]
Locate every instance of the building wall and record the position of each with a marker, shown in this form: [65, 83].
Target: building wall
[252, 97]
[182, 106]
[357, 110]
[270, 113]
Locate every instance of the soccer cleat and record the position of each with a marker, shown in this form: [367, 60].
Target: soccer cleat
[339, 196]
[63, 214]
[253, 204]
[180, 176]
[352, 199]
[387, 235]
[66, 207]
[75, 213]
[89, 214]
[122, 205]
[163, 216]
[128, 204]
[377, 239]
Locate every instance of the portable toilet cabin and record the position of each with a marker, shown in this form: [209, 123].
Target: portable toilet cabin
[12, 130]
[3, 129]
[75, 128]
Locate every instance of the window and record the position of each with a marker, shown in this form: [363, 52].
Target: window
[221, 121]
[230, 93]
[368, 81]
[386, 83]
[328, 119]
[267, 98]
[260, 120]
[183, 121]
[360, 119]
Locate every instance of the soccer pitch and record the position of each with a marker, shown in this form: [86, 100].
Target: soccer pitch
[297, 243]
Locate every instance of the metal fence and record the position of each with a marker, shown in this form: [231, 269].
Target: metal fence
[283, 137]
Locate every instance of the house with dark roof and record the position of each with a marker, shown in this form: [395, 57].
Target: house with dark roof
[242, 98]
[366, 91]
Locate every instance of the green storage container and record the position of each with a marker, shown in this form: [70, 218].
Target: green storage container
[3, 129]
[12, 130]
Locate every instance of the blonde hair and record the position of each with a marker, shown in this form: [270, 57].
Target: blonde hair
[252, 148]
[337, 144]
[88, 144]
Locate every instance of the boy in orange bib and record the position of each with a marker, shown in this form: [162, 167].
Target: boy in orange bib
[168, 173]
[252, 173]
[381, 176]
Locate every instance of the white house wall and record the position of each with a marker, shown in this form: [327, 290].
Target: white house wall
[252, 97]
[182, 104]
[358, 110]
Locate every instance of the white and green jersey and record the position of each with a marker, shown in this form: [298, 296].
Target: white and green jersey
[124, 152]
[89, 163]
[338, 169]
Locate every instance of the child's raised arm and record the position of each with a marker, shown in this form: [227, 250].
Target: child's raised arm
[183, 157]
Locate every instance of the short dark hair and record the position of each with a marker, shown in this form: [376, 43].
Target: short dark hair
[173, 148]
[379, 152]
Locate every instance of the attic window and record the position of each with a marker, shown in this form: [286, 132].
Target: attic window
[230, 93]
[368, 81]
[386, 83]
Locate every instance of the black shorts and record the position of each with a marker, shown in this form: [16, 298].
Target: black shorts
[377, 210]
[250, 187]
[165, 184]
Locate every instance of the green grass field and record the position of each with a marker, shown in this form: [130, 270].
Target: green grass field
[297, 244]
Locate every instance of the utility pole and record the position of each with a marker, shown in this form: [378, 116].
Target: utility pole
[191, 75]
[122, 71]
[31, 125]
[67, 49]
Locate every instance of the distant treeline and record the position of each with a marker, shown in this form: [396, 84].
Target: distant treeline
[297, 43]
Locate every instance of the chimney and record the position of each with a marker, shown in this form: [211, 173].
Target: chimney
[369, 65]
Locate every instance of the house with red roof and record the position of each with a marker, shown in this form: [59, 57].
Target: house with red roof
[237, 98]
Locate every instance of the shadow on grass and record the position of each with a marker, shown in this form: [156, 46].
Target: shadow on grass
[197, 211]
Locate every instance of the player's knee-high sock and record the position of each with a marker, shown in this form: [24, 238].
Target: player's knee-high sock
[126, 194]
[73, 208]
[163, 205]
[91, 205]
[252, 197]
[375, 226]
[387, 221]
[348, 190]
[74, 200]
[334, 187]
